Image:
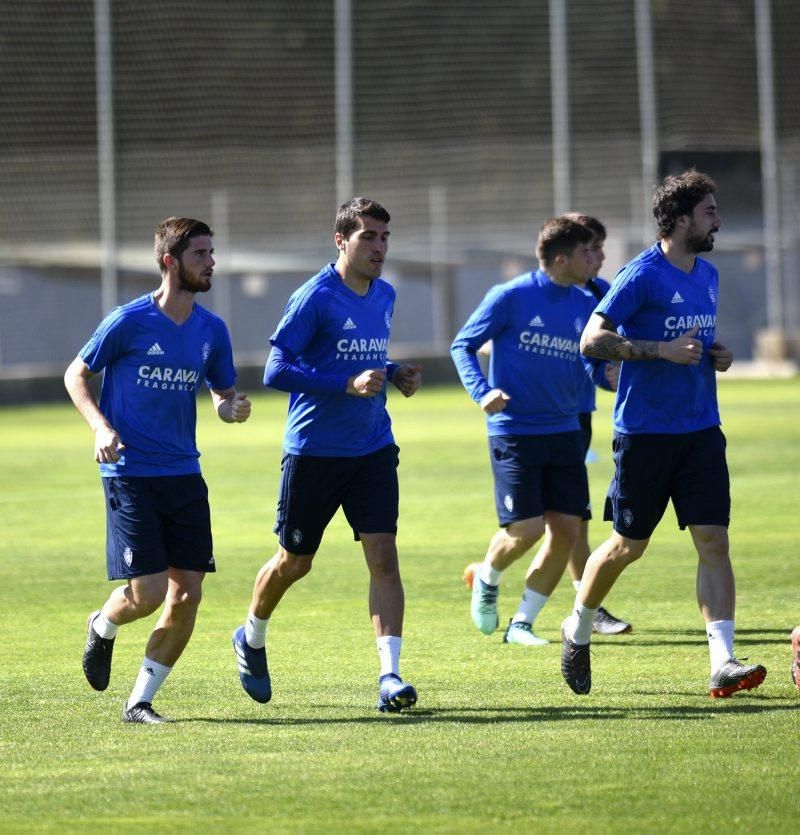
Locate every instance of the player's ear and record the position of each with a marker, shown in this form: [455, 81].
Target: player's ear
[340, 241]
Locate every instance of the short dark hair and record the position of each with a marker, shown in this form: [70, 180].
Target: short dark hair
[677, 195]
[560, 236]
[349, 212]
[591, 223]
[173, 235]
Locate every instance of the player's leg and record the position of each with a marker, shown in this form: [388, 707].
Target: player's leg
[561, 472]
[185, 521]
[604, 622]
[520, 513]
[637, 499]
[542, 577]
[167, 642]
[135, 553]
[307, 500]
[701, 497]
[371, 506]
[386, 608]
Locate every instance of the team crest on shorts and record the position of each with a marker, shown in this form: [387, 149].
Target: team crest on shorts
[206, 350]
[627, 517]
[127, 555]
[508, 502]
[297, 536]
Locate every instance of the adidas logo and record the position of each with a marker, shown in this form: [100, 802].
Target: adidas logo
[676, 299]
[155, 351]
[349, 325]
[536, 322]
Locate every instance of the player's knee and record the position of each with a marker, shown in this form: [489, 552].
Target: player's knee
[146, 594]
[292, 567]
[525, 533]
[626, 551]
[711, 542]
[187, 598]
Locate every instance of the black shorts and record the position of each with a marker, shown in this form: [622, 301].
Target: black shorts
[154, 523]
[585, 420]
[535, 473]
[314, 487]
[690, 469]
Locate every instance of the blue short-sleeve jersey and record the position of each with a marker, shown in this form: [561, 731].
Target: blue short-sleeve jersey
[535, 326]
[152, 370]
[587, 400]
[650, 299]
[330, 329]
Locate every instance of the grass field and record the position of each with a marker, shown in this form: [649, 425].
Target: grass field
[498, 742]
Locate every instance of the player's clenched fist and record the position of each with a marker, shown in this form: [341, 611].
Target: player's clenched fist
[107, 445]
[368, 383]
[495, 401]
[684, 349]
[408, 378]
[240, 408]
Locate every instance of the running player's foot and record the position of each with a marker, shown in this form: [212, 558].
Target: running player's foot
[394, 694]
[733, 676]
[521, 632]
[605, 623]
[97, 656]
[484, 601]
[796, 657]
[142, 713]
[575, 664]
[253, 672]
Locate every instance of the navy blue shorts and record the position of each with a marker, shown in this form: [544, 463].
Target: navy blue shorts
[154, 523]
[585, 420]
[314, 487]
[535, 473]
[690, 469]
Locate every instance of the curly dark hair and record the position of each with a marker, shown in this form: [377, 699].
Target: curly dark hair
[678, 195]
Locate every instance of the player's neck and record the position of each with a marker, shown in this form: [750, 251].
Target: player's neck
[358, 283]
[175, 304]
[677, 254]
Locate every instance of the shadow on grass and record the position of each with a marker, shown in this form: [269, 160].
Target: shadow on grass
[555, 713]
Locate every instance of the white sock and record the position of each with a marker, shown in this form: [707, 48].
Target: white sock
[576, 584]
[255, 631]
[529, 606]
[490, 576]
[104, 627]
[389, 654]
[720, 642]
[578, 626]
[151, 677]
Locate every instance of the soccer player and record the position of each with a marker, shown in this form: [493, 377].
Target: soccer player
[595, 288]
[531, 398]
[659, 319]
[329, 351]
[155, 353]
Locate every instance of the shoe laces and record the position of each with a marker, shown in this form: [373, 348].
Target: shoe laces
[488, 597]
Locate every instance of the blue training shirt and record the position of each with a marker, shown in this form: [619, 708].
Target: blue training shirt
[535, 327]
[332, 332]
[651, 299]
[152, 370]
[587, 400]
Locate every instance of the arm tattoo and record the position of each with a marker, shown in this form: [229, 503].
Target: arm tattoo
[608, 345]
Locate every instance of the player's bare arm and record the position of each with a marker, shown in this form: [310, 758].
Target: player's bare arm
[368, 383]
[231, 406]
[601, 341]
[407, 379]
[107, 444]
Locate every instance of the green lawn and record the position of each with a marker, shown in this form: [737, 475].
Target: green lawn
[497, 742]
